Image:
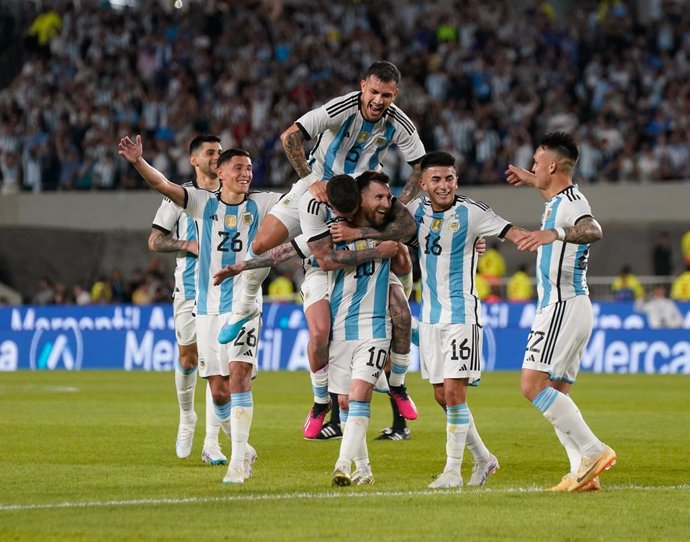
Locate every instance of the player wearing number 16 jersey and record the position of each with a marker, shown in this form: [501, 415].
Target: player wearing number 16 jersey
[450, 330]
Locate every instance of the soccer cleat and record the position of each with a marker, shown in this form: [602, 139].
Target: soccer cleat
[482, 470]
[330, 431]
[341, 478]
[568, 479]
[231, 330]
[394, 434]
[235, 475]
[446, 480]
[406, 406]
[250, 457]
[591, 467]
[185, 437]
[211, 455]
[314, 422]
[362, 477]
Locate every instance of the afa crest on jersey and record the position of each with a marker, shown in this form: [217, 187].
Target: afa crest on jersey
[362, 137]
[436, 224]
[454, 226]
[231, 222]
[247, 219]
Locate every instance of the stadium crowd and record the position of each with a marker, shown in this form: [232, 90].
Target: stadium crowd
[616, 77]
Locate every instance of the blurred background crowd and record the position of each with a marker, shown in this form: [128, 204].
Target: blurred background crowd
[615, 73]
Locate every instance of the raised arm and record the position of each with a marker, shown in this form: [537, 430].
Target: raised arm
[270, 258]
[400, 227]
[411, 187]
[132, 151]
[160, 241]
[329, 258]
[293, 144]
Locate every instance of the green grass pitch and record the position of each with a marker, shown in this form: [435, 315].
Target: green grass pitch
[90, 456]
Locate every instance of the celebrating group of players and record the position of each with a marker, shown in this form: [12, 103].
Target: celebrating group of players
[342, 220]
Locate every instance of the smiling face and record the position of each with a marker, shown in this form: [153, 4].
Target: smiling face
[205, 159]
[236, 175]
[375, 203]
[440, 182]
[377, 95]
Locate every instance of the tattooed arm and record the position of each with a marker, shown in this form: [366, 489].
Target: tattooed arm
[270, 258]
[293, 144]
[329, 258]
[160, 241]
[400, 227]
[411, 187]
[587, 230]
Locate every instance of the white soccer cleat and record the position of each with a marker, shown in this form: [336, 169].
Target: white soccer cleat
[362, 477]
[447, 480]
[185, 437]
[482, 470]
[234, 475]
[341, 478]
[250, 457]
[211, 454]
[591, 467]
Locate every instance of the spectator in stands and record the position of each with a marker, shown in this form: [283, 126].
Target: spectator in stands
[662, 256]
[101, 292]
[680, 289]
[492, 265]
[660, 310]
[520, 287]
[45, 295]
[626, 286]
[685, 247]
[281, 289]
[81, 296]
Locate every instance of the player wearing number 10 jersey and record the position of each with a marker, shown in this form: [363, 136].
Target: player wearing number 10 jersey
[450, 331]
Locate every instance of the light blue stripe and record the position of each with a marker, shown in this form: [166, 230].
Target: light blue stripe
[357, 148]
[418, 217]
[458, 414]
[228, 258]
[334, 147]
[244, 399]
[579, 281]
[431, 270]
[343, 417]
[210, 209]
[337, 294]
[456, 275]
[360, 408]
[352, 317]
[381, 302]
[388, 136]
[223, 411]
[320, 391]
[190, 261]
[543, 276]
[545, 398]
[398, 369]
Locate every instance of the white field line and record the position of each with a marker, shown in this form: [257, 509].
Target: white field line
[345, 494]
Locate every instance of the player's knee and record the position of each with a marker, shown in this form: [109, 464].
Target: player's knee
[188, 357]
[343, 402]
[528, 389]
[440, 396]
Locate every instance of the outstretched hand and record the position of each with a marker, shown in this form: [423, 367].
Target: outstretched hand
[228, 272]
[388, 249]
[343, 231]
[534, 239]
[130, 150]
[518, 176]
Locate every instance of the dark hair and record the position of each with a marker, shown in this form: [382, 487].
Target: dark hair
[343, 193]
[437, 158]
[198, 141]
[562, 143]
[384, 70]
[368, 177]
[226, 156]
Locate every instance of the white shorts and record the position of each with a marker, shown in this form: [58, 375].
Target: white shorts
[314, 287]
[450, 351]
[185, 324]
[287, 209]
[215, 357]
[361, 360]
[559, 335]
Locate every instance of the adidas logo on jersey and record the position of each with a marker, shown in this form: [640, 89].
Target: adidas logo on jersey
[248, 353]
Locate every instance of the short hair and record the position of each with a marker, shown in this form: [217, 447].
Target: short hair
[198, 141]
[437, 158]
[343, 193]
[228, 155]
[385, 71]
[368, 177]
[563, 144]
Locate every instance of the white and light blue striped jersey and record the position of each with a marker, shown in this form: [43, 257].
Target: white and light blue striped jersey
[172, 219]
[225, 233]
[561, 266]
[447, 257]
[347, 143]
[359, 298]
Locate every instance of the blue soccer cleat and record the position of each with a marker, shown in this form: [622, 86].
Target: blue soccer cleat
[231, 330]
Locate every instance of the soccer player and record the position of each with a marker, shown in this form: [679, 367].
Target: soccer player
[227, 223]
[563, 323]
[174, 231]
[353, 133]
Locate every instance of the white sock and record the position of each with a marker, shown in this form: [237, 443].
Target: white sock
[185, 384]
[319, 385]
[252, 286]
[457, 426]
[574, 455]
[212, 421]
[475, 444]
[362, 455]
[399, 365]
[223, 416]
[354, 433]
[241, 422]
[563, 414]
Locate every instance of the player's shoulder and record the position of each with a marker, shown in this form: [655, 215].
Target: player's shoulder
[340, 104]
[398, 116]
[471, 204]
